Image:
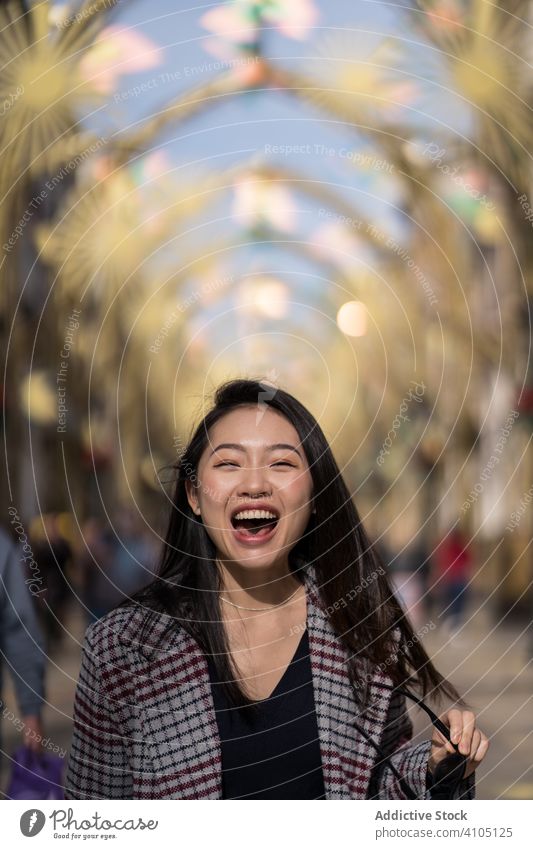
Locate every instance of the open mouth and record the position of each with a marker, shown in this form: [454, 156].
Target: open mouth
[255, 523]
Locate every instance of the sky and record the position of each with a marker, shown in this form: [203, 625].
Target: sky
[275, 128]
[249, 122]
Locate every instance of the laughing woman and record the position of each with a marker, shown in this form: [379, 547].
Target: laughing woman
[268, 658]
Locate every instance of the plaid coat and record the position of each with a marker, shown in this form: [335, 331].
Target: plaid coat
[145, 724]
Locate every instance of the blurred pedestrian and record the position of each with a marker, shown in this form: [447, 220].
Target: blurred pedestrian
[452, 574]
[22, 648]
[53, 555]
[99, 592]
[135, 556]
[406, 560]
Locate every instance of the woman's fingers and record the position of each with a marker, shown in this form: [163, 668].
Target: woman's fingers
[469, 724]
[454, 719]
[480, 745]
[481, 750]
[472, 742]
[474, 745]
[462, 726]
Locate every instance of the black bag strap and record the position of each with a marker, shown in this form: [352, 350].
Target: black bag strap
[449, 772]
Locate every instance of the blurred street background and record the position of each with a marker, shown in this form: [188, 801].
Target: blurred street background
[334, 197]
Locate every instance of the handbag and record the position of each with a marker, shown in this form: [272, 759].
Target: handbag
[35, 775]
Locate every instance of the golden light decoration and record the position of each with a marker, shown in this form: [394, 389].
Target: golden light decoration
[486, 62]
[97, 244]
[52, 71]
[38, 399]
[356, 81]
[335, 242]
[41, 62]
[272, 299]
[260, 201]
[352, 318]
[108, 230]
[482, 69]
[266, 296]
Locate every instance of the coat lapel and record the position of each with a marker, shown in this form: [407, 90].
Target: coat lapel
[177, 719]
[347, 758]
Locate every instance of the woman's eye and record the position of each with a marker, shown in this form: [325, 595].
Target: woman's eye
[230, 463]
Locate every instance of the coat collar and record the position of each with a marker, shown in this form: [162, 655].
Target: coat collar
[179, 638]
[178, 719]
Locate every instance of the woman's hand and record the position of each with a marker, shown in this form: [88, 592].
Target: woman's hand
[463, 730]
[33, 733]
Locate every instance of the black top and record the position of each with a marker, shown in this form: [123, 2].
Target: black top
[275, 754]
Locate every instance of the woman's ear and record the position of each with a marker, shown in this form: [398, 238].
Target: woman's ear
[192, 497]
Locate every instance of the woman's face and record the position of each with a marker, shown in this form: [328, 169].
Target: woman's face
[253, 461]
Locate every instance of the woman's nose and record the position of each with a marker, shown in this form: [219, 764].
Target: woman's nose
[254, 480]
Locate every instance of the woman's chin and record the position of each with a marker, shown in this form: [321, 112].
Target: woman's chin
[251, 556]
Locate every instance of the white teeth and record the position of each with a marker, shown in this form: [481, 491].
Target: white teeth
[255, 514]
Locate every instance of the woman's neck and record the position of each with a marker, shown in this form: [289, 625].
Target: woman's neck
[253, 587]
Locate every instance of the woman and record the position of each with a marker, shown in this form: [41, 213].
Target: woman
[269, 633]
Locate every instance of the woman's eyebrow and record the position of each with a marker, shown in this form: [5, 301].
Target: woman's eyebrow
[237, 447]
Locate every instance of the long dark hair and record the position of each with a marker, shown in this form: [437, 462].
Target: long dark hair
[334, 542]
